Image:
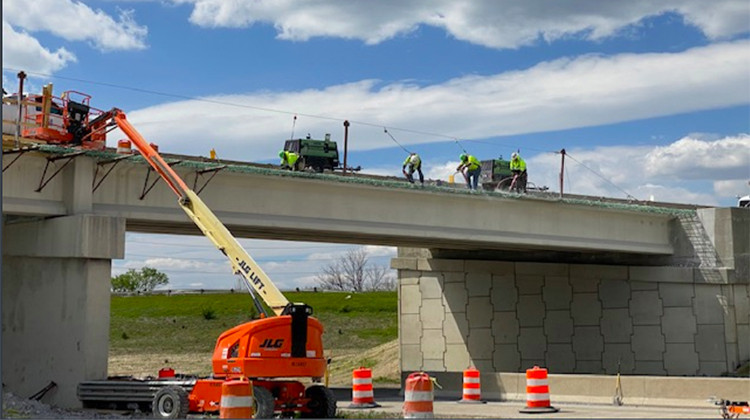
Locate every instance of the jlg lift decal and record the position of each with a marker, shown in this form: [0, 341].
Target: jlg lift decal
[251, 275]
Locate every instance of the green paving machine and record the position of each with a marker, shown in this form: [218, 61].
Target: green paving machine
[319, 155]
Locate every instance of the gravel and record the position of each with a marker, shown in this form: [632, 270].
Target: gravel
[15, 407]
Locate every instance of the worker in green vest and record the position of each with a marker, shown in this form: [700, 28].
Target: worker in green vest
[471, 167]
[518, 168]
[414, 163]
[289, 160]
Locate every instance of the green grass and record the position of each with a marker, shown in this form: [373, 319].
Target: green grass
[192, 323]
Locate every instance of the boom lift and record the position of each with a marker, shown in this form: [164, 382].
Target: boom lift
[284, 344]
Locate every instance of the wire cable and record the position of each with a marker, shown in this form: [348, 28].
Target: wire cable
[385, 130]
[233, 104]
[627, 194]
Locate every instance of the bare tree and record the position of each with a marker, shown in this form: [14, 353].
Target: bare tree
[352, 272]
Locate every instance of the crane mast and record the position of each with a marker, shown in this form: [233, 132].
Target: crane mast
[255, 278]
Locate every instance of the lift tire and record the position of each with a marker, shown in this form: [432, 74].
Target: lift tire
[264, 403]
[170, 402]
[322, 403]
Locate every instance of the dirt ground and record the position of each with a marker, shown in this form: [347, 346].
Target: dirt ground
[383, 360]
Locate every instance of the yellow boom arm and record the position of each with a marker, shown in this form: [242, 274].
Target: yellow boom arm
[207, 221]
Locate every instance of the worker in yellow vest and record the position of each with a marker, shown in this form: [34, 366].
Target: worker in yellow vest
[518, 168]
[289, 160]
[414, 163]
[471, 167]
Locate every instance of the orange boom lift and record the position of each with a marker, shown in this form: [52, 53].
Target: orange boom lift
[273, 352]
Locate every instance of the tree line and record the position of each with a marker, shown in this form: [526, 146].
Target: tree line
[352, 272]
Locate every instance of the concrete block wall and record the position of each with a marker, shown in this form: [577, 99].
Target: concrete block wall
[507, 317]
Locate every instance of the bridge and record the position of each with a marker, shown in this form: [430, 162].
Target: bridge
[492, 280]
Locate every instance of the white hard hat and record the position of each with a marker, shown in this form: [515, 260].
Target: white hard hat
[513, 155]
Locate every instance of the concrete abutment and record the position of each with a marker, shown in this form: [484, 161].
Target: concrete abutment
[583, 320]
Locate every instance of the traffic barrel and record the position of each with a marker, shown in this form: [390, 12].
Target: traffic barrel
[124, 147]
[472, 392]
[418, 396]
[236, 400]
[537, 392]
[362, 393]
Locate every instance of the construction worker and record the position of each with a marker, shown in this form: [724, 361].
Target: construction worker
[471, 167]
[415, 164]
[289, 160]
[518, 167]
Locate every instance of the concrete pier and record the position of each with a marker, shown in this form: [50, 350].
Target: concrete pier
[55, 303]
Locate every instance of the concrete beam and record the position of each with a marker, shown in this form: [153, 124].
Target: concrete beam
[337, 209]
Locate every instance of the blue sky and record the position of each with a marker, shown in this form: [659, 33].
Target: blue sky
[649, 98]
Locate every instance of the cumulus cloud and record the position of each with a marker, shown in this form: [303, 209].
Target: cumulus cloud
[693, 158]
[74, 21]
[491, 23]
[68, 20]
[566, 93]
[666, 173]
[21, 50]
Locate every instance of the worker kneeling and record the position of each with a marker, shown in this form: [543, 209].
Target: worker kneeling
[290, 160]
[518, 167]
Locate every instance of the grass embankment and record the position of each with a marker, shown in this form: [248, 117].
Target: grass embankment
[150, 332]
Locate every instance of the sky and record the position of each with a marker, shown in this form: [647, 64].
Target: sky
[649, 98]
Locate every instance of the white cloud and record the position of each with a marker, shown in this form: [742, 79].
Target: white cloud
[664, 172]
[693, 158]
[733, 187]
[379, 251]
[22, 51]
[74, 21]
[566, 93]
[492, 23]
[163, 263]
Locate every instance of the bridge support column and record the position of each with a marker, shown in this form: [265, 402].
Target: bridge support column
[55, 303]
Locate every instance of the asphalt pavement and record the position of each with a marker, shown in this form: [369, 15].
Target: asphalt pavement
[391, 404]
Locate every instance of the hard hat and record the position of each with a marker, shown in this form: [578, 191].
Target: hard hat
[463, 157]
[281, 154]
[514, 156]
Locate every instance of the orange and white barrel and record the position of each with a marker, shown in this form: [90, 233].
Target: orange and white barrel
[236, 400]
[537, 392]
[472, 388]
[362, 391]
[418, 396]
[124, 147]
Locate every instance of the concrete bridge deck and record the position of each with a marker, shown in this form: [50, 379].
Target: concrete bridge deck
[269, 204]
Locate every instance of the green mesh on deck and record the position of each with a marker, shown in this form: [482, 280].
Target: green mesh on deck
[197, 164]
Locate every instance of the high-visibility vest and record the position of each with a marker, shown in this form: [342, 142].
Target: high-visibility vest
[290, 158]
[473, 163]
[414, 160]
[517, 164]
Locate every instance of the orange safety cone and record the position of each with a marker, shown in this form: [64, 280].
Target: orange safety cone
[236, 400]
[537, 392]
[362, 393]
[472, 393]
[418, 396]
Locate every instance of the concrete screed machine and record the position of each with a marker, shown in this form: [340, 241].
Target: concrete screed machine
[273, 352]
